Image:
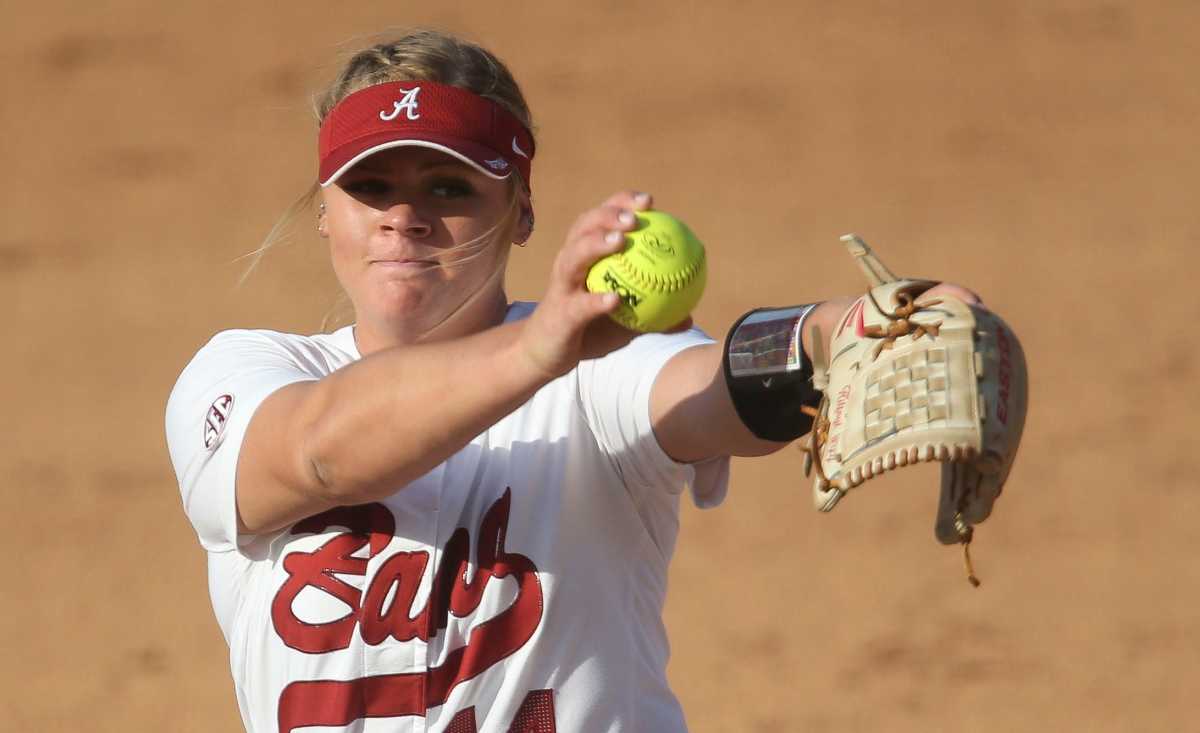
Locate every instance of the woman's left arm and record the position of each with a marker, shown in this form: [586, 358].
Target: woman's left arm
[690, 407]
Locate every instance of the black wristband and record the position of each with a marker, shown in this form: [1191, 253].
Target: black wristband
[768, 375]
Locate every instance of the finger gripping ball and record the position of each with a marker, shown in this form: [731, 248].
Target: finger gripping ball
[659, 276]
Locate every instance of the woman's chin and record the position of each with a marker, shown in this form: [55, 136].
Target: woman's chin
[396, 301]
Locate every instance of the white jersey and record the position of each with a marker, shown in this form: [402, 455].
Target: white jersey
[517, 586]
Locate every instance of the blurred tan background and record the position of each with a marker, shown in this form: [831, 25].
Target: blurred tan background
[1044, 153]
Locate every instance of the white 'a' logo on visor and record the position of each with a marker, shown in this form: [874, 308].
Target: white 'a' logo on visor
[407, 105]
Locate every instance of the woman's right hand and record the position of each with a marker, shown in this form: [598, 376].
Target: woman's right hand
[571, 324]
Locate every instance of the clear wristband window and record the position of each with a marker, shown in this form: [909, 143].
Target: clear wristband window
[768, 342]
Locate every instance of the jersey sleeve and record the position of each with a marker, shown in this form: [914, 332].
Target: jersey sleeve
[614, 394]
[207, 415]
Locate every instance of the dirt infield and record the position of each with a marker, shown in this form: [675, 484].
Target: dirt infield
[1042, 153]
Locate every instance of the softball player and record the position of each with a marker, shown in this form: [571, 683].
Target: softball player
[456, 514]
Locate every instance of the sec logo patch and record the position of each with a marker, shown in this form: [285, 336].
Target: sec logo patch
[216, 419]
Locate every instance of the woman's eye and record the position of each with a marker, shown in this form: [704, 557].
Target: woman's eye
[366, 186]
[451, 188]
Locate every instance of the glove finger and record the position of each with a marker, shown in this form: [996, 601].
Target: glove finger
[967, 491]
[826, 498]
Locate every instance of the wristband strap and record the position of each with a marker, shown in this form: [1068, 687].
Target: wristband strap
[767, 373]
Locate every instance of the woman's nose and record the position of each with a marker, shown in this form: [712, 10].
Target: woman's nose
[406, 220]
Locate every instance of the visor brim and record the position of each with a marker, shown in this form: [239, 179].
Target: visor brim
[472, 154]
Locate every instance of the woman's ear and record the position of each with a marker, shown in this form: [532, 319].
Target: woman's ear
[525, 221]
[525, 227]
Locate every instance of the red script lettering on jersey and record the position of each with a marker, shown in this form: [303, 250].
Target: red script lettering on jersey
[328, 702]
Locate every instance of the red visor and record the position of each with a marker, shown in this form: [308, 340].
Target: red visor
[475, 130]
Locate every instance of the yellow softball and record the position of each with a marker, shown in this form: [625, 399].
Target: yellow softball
[659, 275]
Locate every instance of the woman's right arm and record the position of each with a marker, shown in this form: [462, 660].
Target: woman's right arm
[366, 430]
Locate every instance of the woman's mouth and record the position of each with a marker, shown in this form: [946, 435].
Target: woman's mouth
[405, 264]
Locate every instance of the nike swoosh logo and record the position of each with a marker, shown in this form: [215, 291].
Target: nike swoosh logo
[767, 382]
[855, 312]
[517, 149]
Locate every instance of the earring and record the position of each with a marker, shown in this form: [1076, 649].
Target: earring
[320, 213]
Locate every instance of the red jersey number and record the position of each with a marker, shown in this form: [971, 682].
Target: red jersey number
[536, 715]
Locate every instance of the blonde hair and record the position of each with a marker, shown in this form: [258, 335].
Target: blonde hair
[427, 55]
[419, 55]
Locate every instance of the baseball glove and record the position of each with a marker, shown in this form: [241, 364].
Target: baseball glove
[912, 378]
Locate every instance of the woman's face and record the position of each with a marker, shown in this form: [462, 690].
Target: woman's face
[395, 223]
